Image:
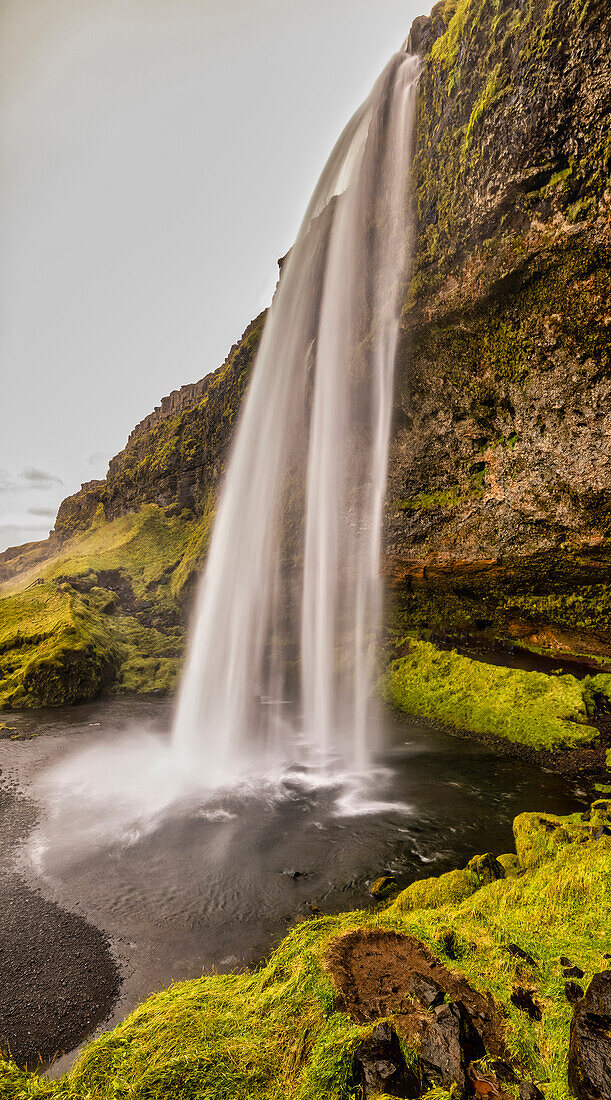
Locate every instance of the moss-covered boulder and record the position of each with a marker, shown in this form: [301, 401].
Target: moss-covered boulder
[531, 709]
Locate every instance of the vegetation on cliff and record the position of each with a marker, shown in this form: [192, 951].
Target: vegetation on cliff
[104, 612]
[283, 1030]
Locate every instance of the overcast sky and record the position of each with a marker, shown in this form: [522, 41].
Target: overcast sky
[156, 159]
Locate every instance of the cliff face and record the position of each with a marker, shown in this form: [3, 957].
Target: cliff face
[500, 474]
[499, 502]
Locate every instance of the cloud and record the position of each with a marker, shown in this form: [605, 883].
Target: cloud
[40, 479]
[44, 512]
[96, 458]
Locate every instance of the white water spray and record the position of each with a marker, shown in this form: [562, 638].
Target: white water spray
[289, 605]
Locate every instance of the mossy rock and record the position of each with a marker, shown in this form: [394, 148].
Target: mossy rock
[383, 887]
[527, 708]
[70, 675]
[487, 868]
[432, 893]
[510, 864]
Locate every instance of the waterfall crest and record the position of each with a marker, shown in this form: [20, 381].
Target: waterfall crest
[280, 665]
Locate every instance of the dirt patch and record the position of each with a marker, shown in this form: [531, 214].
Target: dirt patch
[380, 974]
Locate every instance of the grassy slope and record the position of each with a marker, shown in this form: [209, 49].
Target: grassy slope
[527, 708]
[275, 1033]
[61, 644]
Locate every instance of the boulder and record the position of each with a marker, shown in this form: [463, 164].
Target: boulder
[424, 989]
[589, 1071]
[449, 1042]
[380, 1068]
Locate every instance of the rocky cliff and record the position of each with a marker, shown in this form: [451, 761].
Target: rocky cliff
[499, 502]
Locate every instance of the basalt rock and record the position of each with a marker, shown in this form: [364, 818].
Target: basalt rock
[449, 1042]
[589, 1071]
[380, 1068]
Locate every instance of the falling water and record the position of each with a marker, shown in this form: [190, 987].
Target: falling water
[289, 605]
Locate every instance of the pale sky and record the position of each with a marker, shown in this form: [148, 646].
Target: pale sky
[157, 157]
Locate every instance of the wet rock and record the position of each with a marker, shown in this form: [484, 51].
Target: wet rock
[486, 867]
[449, 1043]
[573, 972]
[528, 1091]
[504, 1071]
[383, 887]
[573, 992]
[520, 953]
[523, 999]
[589, 1072]
[424, 989]
[379, 1066]
[451, 945]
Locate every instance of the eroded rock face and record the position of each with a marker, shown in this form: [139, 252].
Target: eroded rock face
[500, 468]
[589, 1071]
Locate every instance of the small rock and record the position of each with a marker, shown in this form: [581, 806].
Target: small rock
[487, 868]
[383, 886]
[528, 1091]
[520, 953]
[573, 992]
[504, 1071]
[589, 1072]
[425, 990]
[564, 961]
[523, 999]
[379, 1066]
[573, 972]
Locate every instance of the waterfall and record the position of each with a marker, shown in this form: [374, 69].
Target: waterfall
[280, 663]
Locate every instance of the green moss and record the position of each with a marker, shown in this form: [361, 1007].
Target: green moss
[510, 864]
[69, 635]
[441, 498]
[432, 893]
[54, 650]
[528, 708]
[495, 88]
[194, 553]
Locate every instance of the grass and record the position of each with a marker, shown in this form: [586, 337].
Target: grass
[276, 1033]
[528, 708]
[104, 611]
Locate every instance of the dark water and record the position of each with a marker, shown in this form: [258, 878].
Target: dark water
[212, 885]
